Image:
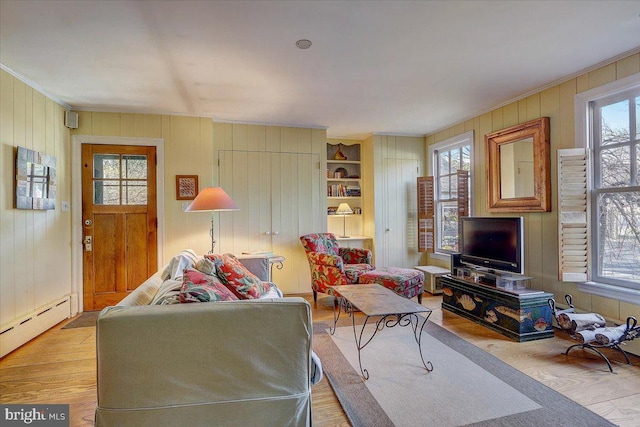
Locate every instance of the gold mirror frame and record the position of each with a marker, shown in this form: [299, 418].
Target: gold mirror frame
[540, 201]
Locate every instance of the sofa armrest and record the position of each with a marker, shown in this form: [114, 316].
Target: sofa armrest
[356, 255]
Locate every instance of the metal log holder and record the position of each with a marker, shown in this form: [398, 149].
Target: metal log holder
[632, 331]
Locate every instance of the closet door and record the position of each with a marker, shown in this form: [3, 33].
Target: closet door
[279, 199]
[400, 235]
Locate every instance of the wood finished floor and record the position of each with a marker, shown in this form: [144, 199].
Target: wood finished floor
[60, 367]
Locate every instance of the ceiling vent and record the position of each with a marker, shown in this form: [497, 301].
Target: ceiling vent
[303, 44]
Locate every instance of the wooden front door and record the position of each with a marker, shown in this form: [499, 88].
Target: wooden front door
[119, 221]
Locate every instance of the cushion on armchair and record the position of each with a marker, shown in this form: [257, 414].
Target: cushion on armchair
[319, 258]
[356, 255]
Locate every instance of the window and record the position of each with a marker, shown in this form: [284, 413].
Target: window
[599, 193]
[615, 189]
[119, 179]
[447, 157]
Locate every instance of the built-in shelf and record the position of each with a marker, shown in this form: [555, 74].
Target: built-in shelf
[344, 185]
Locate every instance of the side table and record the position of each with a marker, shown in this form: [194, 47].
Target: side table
[432, 275]
[276, 260]
[265, 268]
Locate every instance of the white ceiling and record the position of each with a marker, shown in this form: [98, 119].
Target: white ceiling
[374, 66]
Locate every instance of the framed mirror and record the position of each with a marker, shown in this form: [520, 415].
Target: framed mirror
[518, 168]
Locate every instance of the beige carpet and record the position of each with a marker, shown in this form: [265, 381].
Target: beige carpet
[466, 387]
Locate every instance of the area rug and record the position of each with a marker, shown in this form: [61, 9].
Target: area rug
[467, 387]
[87, 318]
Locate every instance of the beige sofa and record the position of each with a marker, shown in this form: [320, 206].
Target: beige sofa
[236, 363]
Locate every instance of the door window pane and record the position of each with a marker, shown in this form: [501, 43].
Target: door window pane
[106, 193]
[106, 166]
[135, 193]
[135, 167]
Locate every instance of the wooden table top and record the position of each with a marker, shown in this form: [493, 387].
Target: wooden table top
[376, 300]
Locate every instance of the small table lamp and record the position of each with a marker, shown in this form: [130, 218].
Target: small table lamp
[212, 199]
[344, 209]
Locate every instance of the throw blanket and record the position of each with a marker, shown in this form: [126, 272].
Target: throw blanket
[316, 368]
[185, 259]
[607, 336]
[574, 322]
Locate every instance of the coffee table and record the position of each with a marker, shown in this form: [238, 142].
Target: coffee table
[389, 308]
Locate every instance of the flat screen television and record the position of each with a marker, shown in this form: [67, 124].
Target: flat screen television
[495, 243]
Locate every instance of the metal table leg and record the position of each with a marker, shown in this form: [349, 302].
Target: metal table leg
[390, 321]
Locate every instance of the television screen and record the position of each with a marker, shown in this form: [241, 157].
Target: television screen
[493, 242]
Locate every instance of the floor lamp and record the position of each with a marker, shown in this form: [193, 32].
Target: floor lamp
[344, 209]
[212, 199]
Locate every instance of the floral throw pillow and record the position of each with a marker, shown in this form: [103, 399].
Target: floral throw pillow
[200, 287]
[231, 272]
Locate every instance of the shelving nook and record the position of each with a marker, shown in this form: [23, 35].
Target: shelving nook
[344, 184]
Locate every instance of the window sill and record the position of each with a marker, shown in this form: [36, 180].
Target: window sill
[440, 256]
[609, 291]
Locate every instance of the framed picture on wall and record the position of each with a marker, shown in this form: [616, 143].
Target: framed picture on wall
[186, 187]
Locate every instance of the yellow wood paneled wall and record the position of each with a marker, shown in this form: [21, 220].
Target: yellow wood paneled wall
[188, 149]
[541, 229]
[35, 252]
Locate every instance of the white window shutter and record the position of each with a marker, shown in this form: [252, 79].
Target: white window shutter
[573, 215]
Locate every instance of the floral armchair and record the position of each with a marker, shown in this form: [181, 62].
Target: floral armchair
[332, 265]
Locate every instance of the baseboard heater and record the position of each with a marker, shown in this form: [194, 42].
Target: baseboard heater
[29, 326]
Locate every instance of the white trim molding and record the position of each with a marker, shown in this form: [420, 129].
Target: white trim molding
[76, 199]
[35, 86]
[609, 291]
[581, 105]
